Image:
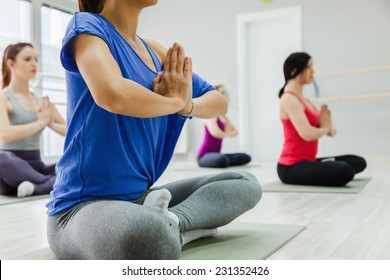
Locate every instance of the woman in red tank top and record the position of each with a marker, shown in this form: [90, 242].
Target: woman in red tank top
[303, 125]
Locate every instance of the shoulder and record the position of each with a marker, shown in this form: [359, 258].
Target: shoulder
[3, 99]
[83, 22]
[79, 19]
[3, 96]
[289, 99]
[159, 49]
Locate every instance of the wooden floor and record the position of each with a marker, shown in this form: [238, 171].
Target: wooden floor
[338, 226]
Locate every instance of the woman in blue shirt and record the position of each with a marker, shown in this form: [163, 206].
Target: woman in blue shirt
[126, 110]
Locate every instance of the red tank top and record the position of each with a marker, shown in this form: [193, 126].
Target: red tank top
[295, 149]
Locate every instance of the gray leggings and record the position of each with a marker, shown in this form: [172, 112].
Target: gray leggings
[110, 229]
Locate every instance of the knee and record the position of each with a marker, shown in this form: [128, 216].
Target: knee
[344, 176]
[6, 156]
[247, 158]
[211, 160]
[253, 188]
[157, 238]
[222, 162]
[361, 164]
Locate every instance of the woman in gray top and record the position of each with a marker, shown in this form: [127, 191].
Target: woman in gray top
[23, 116]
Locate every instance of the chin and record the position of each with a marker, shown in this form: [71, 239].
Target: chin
[152, 2]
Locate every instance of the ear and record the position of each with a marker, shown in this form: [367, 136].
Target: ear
[293, 72]
[10, 63]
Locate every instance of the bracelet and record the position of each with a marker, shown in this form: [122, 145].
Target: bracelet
[189, 116]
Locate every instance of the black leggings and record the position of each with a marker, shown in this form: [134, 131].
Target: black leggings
[329, 171]
[218, 160]
[19, 166]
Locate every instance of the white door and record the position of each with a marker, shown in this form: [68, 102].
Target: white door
[265, 39]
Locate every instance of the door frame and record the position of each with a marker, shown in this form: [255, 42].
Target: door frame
[243, 22]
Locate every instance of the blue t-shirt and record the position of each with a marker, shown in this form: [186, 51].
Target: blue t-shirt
[106, 155]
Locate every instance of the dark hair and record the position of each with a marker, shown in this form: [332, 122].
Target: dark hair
[293, 66]
[11, 52]
[92, 6]
[218, 86]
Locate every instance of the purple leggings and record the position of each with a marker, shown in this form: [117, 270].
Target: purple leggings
[19, 166]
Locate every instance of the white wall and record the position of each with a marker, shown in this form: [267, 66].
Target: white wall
[338, 34]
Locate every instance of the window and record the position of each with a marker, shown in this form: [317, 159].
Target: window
[52, 82]
[15, 23]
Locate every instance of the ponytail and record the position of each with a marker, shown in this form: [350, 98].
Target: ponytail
[10, 53]
[91, 6]
[6, 74]
[281, 91]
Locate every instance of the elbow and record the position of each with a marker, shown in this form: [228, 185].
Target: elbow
[107, 99]
[218, 135]
[4, 139]
[224, 106]
[108, 105]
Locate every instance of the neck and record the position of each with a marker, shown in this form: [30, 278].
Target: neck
[19, 86]
[295, 87]
[123, 17]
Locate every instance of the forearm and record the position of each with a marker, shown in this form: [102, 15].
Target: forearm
[13, 133]
[60, 128]
[220, 134]
[129, 98]
[210, 105]
[314, 133]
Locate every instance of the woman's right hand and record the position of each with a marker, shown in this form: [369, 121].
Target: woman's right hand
[45, 113]
[176, 78]
[325, 119]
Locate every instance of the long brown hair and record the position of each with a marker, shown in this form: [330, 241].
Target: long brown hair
[11, 52]
[94, 6]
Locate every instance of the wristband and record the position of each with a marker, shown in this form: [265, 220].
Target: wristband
[189, 116]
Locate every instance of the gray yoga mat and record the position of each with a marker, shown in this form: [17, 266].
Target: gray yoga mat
[355, 186]
[4, 200]
[242, 241]
[236, 241]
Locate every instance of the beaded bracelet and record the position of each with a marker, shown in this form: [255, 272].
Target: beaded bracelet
[189, 116]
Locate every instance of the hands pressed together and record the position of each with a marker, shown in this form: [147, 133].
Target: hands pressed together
[325, 120]
[46, 112]
[175, 81]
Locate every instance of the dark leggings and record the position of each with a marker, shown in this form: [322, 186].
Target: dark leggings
[329, 171]
[19, 166]
[218, 160]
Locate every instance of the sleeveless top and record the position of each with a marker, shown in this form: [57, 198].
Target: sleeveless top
[296, 149]
[20, 115]
[107, 155]
[211, 144]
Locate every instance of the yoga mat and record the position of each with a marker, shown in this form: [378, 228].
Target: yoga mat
[4, 200]
[242, 241]
[197, 168]
[236, 241]
[355, 186]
